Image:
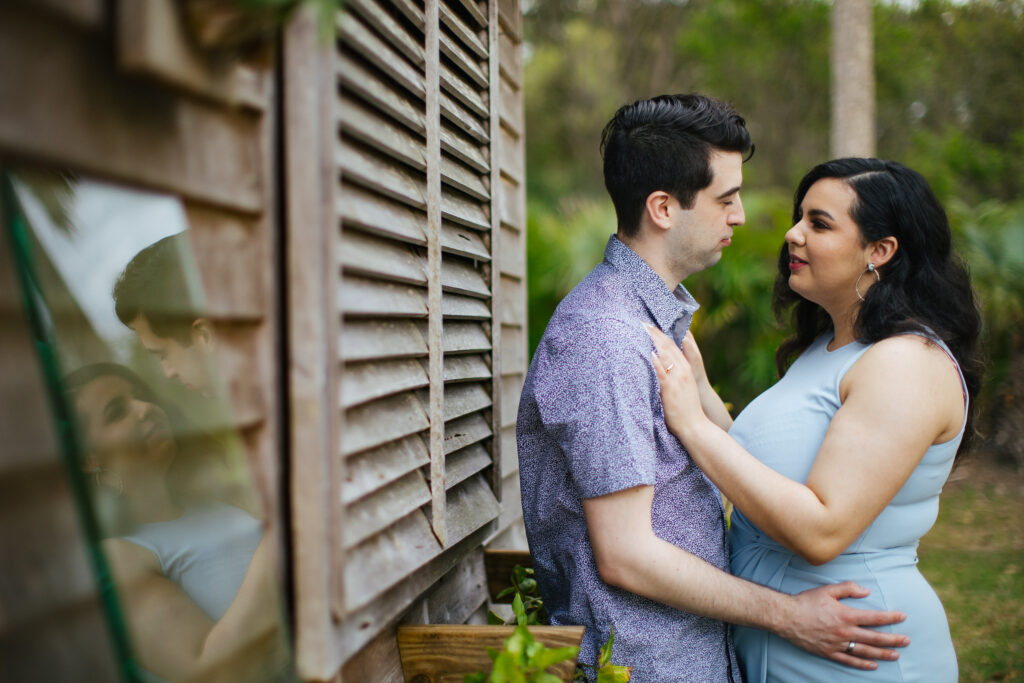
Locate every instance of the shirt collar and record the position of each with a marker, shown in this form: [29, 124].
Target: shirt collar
[672, 310]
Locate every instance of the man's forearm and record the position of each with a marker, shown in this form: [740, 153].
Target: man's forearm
[668, 574]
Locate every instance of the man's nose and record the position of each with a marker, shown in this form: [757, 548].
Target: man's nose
[737, 217]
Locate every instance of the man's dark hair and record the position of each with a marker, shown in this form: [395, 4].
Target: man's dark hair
[154, 285]
[665, 143]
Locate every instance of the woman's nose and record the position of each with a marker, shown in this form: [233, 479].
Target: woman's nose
[794, 235]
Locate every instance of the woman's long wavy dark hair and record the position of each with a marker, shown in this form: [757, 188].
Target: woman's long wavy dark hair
[924, 285]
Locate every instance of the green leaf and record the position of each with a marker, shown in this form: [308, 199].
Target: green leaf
[606, 649]
[475, 678]
[528, 585]
[494, 619]
[554, 656]
[520, 611]
[506, 591]
[611, 673]
[544, 677]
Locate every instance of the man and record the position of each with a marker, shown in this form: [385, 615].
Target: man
[625, 531]
[154, 298]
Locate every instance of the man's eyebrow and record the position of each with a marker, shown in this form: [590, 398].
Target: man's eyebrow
[820, 212]
[732, 190]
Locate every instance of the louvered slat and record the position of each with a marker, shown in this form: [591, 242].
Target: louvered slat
[378, 339]
[381, 422]
[372, 470]
[364, 382]
[364, 297]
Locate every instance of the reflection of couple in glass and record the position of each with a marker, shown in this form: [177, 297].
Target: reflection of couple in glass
[194, 573]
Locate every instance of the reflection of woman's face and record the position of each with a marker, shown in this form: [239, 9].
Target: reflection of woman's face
[122, 432]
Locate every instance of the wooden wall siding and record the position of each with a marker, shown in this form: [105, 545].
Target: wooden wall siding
[71, 106]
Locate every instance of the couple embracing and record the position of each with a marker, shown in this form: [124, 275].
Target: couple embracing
[835, 472]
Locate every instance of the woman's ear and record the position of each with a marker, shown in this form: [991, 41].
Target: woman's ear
[882, 251]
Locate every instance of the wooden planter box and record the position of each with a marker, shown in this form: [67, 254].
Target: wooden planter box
[446, 653]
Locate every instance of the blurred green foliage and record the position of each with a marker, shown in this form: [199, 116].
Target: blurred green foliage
[950, 92]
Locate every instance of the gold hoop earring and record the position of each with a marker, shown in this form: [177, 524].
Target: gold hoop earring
[870, 269]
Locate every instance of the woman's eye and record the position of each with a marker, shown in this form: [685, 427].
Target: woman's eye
[114, 411]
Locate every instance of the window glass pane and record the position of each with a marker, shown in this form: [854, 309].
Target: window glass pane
[110, 282]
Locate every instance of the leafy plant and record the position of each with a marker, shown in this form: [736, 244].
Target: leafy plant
[530, 612]
[523, 659]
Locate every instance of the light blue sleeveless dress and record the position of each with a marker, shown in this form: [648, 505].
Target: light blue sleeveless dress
[784, 428]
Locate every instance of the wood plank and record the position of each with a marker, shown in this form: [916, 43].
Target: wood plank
[511, 501]
[372, 340]
[87, 13]
[463, 32]
[511, 60]
[153, 42]
[378, 174]
[513, 350]
[451, 49]
[511, 204]
[457, 595]
[457, 175]
[463, 464]
[457, 307]
[382, 421]
[510, 159]
[510, 389]
[513, 252]
[362, 382]
[360, 122]
[494, 72]
[354, 33]
[355, 78]
[513, 301]
[435, 369]
[460, 209]
[390, 30]
[471, 505]
[510, 107]
[228, 257]
[371, 470]
[91, 121]
[473, 7]
[362, 254]
[411, 10]
[466, 368]
[461, 147]
[512, 537]
[462, 399]
[387, 607]
[461, 118]
[460, 277]
[464, 432]
[456, 239]
[365, 297]
[379, 510]
[373, 213]
[511, 18]
[385, 560]
[446, 653]
[315, 472]
[500, 565]
[468, 337]
[462, 91]
[509, 455]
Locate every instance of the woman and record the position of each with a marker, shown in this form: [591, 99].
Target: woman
[835, 471]
[194, 575]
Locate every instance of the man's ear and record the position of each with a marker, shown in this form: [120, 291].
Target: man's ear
[202, 333]
[658, 209]
[882, 251]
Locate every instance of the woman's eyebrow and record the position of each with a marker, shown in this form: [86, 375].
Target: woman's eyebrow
[819, 213]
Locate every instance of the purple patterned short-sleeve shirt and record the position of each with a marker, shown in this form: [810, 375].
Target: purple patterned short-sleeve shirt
[591, 423]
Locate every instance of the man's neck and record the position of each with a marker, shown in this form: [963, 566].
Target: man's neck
[654, 256]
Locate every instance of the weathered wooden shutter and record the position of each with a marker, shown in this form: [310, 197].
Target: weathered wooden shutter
[420, 302]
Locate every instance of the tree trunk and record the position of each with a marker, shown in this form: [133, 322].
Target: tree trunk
[853, 79]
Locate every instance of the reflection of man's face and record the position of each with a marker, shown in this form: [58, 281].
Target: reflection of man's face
[186, 362]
